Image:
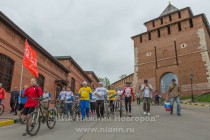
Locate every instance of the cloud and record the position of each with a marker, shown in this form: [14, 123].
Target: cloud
[96, 33]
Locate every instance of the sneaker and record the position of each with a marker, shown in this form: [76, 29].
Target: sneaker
[144, 113]
[179, 114]
[130, 115]
[148, 114]
[25, 133]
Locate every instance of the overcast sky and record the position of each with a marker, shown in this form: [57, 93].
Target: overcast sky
[96, 33]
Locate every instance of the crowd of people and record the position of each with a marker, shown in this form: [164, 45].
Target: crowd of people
[91, 100]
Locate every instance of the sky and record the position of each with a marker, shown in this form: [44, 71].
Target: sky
[96, 33]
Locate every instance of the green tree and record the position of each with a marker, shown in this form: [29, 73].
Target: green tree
[105, 81]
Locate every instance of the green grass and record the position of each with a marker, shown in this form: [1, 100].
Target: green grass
[186, 97]
[203, 98]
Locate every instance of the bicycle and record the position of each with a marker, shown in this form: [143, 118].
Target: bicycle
[119, 105]
[1, 109]
[75, 109]
[107, 109]
[59, 106]
[38, 116]
[154, 102]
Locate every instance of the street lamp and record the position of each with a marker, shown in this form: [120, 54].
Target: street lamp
[191, 78]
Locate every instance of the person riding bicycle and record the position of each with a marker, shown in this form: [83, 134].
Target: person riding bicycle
[84, 94]
[100, 92]
[129, 96]
[2, 93]
[34, 91]
[112, 97]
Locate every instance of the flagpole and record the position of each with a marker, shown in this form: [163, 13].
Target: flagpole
[21, 78]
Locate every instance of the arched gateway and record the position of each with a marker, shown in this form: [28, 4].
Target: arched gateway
[165, 81]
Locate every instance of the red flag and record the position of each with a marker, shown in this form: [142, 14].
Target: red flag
[30, 59]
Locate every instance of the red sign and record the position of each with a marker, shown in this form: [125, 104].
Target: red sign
[30, 60]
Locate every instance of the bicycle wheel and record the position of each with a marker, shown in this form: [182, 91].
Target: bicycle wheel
[75, 113]
[107, 111]
[60, 112]
[1, 109]
[121, 109]
[51, 119]
[33, 124]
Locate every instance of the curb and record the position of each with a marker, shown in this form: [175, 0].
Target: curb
[8, 122]
[195, 104]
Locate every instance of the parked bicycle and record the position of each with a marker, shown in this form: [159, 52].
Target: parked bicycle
[41, 114]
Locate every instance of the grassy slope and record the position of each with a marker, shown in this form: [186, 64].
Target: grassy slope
[203, 98]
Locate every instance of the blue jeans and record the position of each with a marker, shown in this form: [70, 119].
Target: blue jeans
[0, 101]
[84, 106]
[67, 107]
[177, 99]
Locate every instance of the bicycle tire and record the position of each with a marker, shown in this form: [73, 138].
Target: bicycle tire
[120, 109]
[1, 109]
[28, 121]
[49, 119]
[108, 113]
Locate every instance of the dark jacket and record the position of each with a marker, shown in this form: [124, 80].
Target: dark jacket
[14, 96]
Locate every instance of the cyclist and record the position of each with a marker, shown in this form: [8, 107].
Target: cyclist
[129, 96]
[93, 102]
[61, 97]
[112, 97]
[34, 91]
[100, 93]
[2, 93]
[84, 94]
[69, 95]
[118, 97]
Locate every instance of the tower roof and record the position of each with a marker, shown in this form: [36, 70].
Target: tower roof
[169, 9]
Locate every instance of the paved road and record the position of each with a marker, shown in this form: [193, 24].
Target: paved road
[194, 124]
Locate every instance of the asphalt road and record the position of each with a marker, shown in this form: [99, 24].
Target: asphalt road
[194, 124]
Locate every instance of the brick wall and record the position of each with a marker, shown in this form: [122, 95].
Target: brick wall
[12, 45]
[190, 56]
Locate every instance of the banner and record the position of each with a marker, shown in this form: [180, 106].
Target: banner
[30, 60]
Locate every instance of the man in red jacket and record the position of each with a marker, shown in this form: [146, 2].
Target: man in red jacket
[129, 96]
[2, 93]
[34, 91]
